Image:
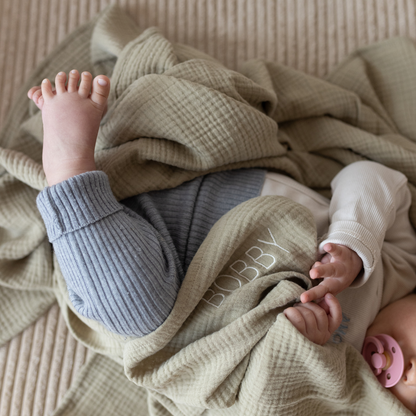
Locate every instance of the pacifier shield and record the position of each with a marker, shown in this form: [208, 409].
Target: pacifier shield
[385, 357]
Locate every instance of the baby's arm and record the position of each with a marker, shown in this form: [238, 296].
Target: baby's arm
[315, 321]
[365, 199]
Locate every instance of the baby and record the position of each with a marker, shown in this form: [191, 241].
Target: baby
[149, 261]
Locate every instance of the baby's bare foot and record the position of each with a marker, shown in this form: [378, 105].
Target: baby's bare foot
[71, 117]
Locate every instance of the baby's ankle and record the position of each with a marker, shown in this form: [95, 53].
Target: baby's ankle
[55, 174]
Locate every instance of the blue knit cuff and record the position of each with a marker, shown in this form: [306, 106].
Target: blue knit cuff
[76, 203]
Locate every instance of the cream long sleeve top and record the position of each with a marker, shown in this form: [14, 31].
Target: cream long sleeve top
[368, 212]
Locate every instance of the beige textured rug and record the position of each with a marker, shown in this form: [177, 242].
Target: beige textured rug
[39, 365]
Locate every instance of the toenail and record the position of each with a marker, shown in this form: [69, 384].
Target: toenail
[73, 71]
[102, 82]
[44, 81]
[60, 73]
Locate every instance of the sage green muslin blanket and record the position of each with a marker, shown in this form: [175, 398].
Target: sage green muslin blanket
[174, 114]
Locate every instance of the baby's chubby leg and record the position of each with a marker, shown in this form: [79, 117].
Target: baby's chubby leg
[71, 117]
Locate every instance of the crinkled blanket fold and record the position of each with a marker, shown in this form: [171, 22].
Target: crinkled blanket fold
[174, 114]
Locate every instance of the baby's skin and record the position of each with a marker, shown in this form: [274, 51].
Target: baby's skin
[398, 319]
[338, 268]
[71, 116]
[319, 314]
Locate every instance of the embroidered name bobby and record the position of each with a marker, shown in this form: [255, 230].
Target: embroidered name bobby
[243, 271]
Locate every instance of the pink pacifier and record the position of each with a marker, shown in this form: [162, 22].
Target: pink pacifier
[385, 358]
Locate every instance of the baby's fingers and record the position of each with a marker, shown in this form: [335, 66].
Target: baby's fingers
[317, 292]
[311, 320]
[327, 270]
[296, 318]
[335, 250]
[333, 308]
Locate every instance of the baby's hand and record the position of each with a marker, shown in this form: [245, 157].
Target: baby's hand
[339, 267]
[316, 321]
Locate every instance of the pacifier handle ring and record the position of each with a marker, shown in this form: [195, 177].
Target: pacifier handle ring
[380, 350]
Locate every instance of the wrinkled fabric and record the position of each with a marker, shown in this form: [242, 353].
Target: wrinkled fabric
[174, 114]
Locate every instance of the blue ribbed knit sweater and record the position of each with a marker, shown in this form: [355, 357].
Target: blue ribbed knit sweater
[124, 262]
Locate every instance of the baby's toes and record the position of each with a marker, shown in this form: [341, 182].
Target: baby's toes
[36, 97]
[85, 85]
[100, 91]
[32, 91]
[60, 80]
[46, 89]
[73, 81]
